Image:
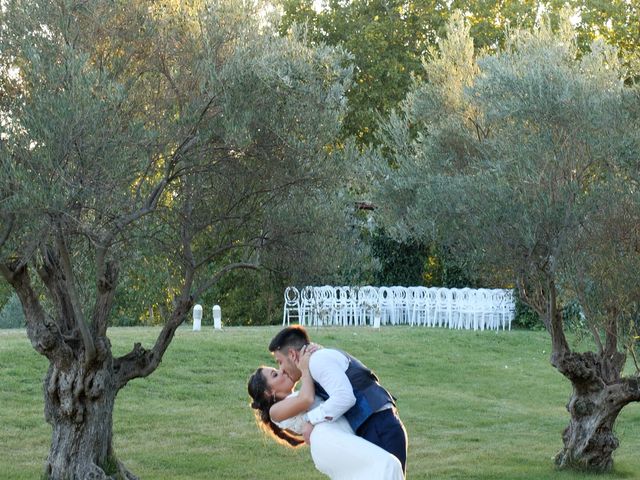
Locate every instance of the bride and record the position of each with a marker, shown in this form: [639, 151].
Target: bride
[335, 449]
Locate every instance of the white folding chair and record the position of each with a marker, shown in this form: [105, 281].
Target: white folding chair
[306, 306]
[483, 307]
[291, 305]
[368, 305]
[342, 307]
[400, 305]
[432, 303]
[443, 309]
[324, 305]
[387, 308]
[508, 308]
[418, 300]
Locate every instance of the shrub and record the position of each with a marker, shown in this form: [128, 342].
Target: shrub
[11, 315]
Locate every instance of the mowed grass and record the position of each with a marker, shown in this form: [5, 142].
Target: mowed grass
[482, 405]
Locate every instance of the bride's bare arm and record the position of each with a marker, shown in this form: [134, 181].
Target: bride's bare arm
[300, 403]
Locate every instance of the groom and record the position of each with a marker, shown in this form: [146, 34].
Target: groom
[349, 388]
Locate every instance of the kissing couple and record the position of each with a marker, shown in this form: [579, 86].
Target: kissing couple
[347, 418]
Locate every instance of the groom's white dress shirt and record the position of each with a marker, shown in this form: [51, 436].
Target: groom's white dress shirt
[328, 367]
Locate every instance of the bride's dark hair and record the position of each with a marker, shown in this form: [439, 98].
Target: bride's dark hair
[262, 402]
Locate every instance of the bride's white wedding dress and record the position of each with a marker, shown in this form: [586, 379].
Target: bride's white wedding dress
[342, 455]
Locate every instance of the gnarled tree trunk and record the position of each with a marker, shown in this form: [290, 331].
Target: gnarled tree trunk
[598, 396]
[79, 406]
[83, 378]
[599, 391]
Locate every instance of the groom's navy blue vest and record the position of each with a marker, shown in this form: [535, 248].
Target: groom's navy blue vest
[370, 395]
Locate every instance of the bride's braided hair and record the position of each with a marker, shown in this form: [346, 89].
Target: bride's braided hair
[262, 402]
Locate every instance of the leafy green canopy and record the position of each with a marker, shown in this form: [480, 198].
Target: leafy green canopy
[524, 162]
[389, 38]
[177, 141]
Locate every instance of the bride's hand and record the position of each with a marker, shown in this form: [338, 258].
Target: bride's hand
[303, 358]
[313, 347]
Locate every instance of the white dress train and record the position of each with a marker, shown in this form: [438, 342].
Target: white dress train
[341, 455]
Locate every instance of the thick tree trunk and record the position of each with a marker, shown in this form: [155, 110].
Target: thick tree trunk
[83, 377]
[79, 406]
[598, 396]
[589, 441]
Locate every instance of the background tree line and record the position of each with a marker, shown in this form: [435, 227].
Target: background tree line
[387, 42]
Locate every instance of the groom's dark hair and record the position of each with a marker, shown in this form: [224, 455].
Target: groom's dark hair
[294, 337]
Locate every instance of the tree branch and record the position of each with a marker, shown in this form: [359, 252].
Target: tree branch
[148, 207]
[141, 362]
[214, 279]
[67, 269]
[631, 388]
[106, 286]
[153, 198]
[53, 280]
[218, 251]
[43, 332]
[30, 250]
[596, 337]
[590, 316]
[611, 335]
[7, 227]
[558, 339]
[527, 297]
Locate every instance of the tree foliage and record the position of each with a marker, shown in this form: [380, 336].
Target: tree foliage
[388, 41]
[168, 143]
[389, 38]
[525, 163]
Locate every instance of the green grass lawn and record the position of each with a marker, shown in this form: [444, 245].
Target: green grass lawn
[482, 405]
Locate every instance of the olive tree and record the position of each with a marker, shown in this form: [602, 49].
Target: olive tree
[134, 130]
[525, 163]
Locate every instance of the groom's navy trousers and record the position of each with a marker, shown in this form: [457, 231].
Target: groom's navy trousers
[385, 429]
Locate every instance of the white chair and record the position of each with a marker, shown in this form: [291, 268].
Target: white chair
[457, 297]
[291, 305]
[307, 306]
[318, 306]
[387, 308]
[443, 310]
[432, 303]
[342, 306]
[367, 305]
[507, 308]
[483, 307]
[352, 305]
[495, 308]
[467, 308]
[479, 300]
[400, 305]
[417, 298]
[324, 305]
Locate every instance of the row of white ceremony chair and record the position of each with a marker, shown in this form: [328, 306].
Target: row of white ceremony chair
[459, 308]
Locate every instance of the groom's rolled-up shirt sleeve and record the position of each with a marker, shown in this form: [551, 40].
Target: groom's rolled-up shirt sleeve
[328, 367]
